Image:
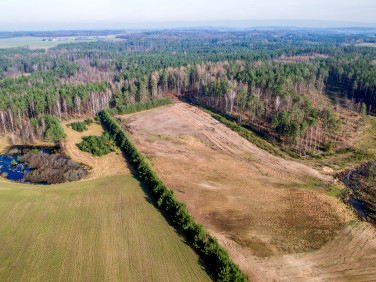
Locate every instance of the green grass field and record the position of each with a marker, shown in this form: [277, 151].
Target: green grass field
[104, 229]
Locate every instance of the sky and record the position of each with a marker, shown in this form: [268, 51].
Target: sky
[58, 14]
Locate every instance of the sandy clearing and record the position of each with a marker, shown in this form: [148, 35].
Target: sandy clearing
[182, 119]
[110, 164]
[253, 202]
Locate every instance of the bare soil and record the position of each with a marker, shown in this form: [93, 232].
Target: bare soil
[263, 209]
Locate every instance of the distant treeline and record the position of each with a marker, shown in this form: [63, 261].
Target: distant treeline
[60, 33]
[215, 257]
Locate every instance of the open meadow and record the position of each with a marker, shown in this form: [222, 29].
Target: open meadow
[270, 213]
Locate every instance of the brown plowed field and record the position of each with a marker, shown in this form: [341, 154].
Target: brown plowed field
[265, 210]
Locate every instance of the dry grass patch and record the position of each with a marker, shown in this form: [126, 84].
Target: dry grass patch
[110, 164]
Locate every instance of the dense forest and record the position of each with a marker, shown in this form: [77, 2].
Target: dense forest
[275, 82]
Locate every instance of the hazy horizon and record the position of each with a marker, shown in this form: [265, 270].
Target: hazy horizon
[116, 14]
[309, 24]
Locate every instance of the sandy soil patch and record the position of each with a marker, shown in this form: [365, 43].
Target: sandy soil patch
[258, 205]
[3, 143]
[110, 164]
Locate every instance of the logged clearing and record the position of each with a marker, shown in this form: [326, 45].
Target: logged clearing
[110, 164]
[259, 206]
[100, 230]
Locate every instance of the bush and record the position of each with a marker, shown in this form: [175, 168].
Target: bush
[345, 151]
[328, 147]
[361, 156]
[97, 145]
[215, 257]
[80, 126]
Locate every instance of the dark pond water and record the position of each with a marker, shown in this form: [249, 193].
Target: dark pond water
[12, 169]
[358, 206]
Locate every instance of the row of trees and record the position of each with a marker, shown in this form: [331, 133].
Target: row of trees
[215, 257]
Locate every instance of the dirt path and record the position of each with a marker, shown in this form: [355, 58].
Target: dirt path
[266, 211]
[110, 164]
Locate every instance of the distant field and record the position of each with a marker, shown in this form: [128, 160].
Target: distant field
[103, 229]
[37, 42]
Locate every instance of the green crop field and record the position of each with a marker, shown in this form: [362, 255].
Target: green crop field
[103, 229]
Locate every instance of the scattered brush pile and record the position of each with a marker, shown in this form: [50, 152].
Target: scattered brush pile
[51, 169]
[362, 180]
[81, 126]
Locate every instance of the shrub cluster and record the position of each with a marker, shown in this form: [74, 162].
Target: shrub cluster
[97, 145]
[215, 257]
[357, 155]
[80, 126]
[140, 106]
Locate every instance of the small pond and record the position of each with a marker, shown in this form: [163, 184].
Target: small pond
[39, 165]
